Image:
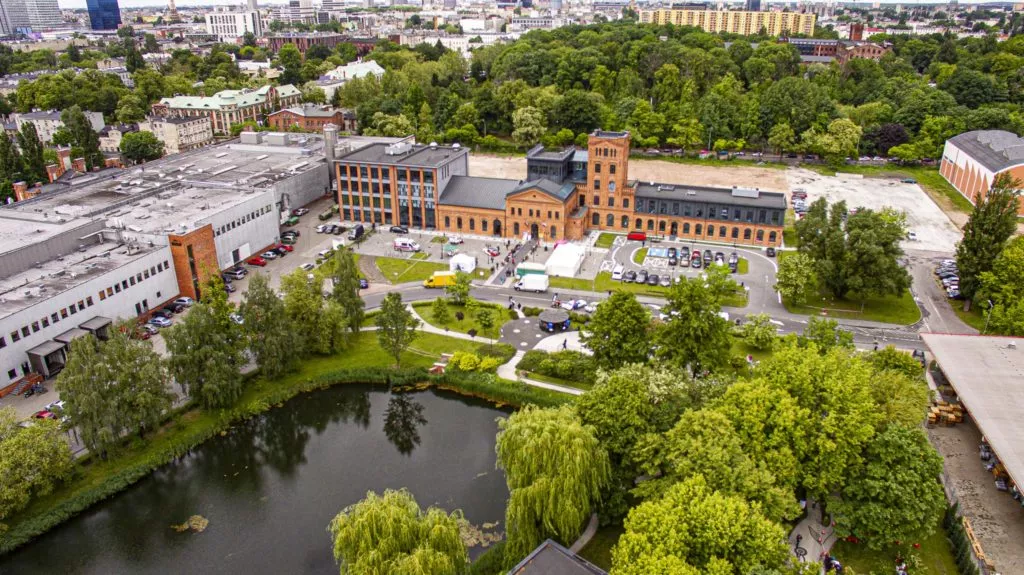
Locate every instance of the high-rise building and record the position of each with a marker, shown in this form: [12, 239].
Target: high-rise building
[28, 15]
[104, 14]
[229, 26]
[753, 5]
[735, 21]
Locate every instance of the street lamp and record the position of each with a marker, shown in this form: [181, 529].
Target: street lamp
[988, 316]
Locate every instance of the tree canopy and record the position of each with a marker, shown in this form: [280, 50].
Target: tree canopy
[990, 225]
[618, 333]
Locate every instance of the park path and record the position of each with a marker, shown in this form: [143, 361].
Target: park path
[817, 536]
[508, 371]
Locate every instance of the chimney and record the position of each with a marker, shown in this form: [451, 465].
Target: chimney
[53, 172]
[22, 192]
[64, 158]
[78, 165]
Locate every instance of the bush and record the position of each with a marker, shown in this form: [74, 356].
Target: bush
[490, 562]
[489, 364]
[568, 365]
[578, 318]
[464, 361]
[532, 311]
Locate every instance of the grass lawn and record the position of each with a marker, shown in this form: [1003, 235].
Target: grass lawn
[743, 266]
[605, 240]
[789, 238]
[604, 283]
[902, 310]
[974, 318]
[420, 256]
[438, 240]
[935, 553]
[501, 315]
[599, 550]
[401, 270]
[558, 380]
[639, 256]
[930, 180]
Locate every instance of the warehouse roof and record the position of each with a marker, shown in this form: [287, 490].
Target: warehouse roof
[987, 373]
[474, 192]
[732, 196]
[994, 149]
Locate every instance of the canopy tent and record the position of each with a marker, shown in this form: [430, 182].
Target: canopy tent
[565, 261]
[462, 263]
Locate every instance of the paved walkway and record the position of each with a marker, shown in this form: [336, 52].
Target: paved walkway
[816, 538]
[424, 326]
[508, 371]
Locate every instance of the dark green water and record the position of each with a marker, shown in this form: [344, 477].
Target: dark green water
[270, 487]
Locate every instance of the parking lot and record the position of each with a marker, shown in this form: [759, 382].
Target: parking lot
[934, 231]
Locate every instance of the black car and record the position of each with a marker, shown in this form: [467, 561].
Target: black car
[293, 233]
[653, 279]
[363, 284]
[171, 309]
[629, 276]
[163, 313]
[684, 253]
[280, 251]
[672, 253]
[695, 263]
[720, 256]
[399, 230]
[770, 252]
[707, 258]
[338, 230]
[641, 277]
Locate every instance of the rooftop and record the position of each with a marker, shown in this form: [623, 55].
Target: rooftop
[474, 192]
[355, 70]
[549, 187]
[236, 98]
[404, 154]
[538, 152]
[310, 111]
[732, 196]
[994, 149]
[987, 373]
[608, 134]
[550, 558]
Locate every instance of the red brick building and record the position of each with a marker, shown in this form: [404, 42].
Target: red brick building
[311, 118]
[972, 161]
[304, 40]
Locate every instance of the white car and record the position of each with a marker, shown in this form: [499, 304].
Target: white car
[455, 240]
[307, 267]
[912, 236]
[591, 307]
[322, 228]
[269, 255]
[185, 301]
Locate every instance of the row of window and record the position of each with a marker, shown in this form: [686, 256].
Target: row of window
[723, 231]
[80, 305]
[611, 200]
[472, 224]
[606, 152]
[239, 221]
[597, 168]
[552, 232]
[714, 212]
[597, 186]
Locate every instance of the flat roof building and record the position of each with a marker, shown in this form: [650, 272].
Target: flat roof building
[742, 22]
[972, 161]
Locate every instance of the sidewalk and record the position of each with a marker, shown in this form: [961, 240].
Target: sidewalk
[508, 371]
[424, 326]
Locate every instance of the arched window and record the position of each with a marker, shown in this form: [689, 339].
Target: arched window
[760, 235]
[746, 234]
[483, 225]
[458, 222]
[721, 231]
[697, 230]
[610, 220]
[686, 227]
[595, 219]
[472, 224]
[661, 226]
[625, 222]
[772, 237]
[711, 231]
[515, 229]
[447, 222]
[735, 233]
[650, 225]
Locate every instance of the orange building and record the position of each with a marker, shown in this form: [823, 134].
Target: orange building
[567, 193]
[973, 160]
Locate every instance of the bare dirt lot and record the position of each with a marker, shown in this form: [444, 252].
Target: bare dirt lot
[935, 232]
[997, 520]
[653, 171]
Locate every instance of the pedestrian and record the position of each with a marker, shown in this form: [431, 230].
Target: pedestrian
[565, 344]
[509, 299]
[519, 305]
[799, 538]
[876, 346]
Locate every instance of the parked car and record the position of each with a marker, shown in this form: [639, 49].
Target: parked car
[338, 230]
[363, 284]
[295, 233]
[185, 301]
[256, 261]
[163, 313]
[270, 255]
[288, 240]
[307, 267]
[641, 277]
[299, 212]
[150, 329]
[159, 321]
[291, 221]
[285, 248]
[672, 252]
[653, 279]
[455, 240]
[912, 236]
[399, 230]
[908, 181]
[695, 262]
[573, 304]
[636, 236]
[236, 318]
[684, 252]
[684, 262]
[665, 281]
[44, 414]
[322, 228]
[142, 334]
[770, 252]
[172, 309]
[236, 273]
[629, 276]
[230, 287]
[493, 252]
[672, 260]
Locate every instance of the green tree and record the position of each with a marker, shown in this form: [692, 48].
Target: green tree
[693, 529]
[346, 288]
[990, 225]
[528, 124]
[555, 469]
[759, 332]
[82, 135]
[206, 353]
[269, 333]
[895, 495]
[826, 334]
[290, 59]
[321, 323]
[458, 292]
[141, 146]
[899, 399]
[130, 109]
[781, 138]
[695, 336]
[439, 309]
[389, 533]
[32, 152]
[33, 460]
[1004, 287]
[112, 388]
[796, 279]
[485, 319]
[892, 359]
[618, 333]
[396, 326]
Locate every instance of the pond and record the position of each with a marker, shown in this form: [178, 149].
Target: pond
[270, 487]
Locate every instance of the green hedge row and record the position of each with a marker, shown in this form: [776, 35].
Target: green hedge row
[957, 535]
[567, 364]
[490, 387]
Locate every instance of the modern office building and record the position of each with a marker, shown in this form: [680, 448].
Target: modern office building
[735, 21]
[232, 25]
[104, 14]
[23, 16]
[973, 160]
[229, 107]
[567, 194]
[115, 244]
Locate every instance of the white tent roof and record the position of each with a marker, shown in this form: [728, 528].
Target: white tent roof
[566, 260]
[464, 262]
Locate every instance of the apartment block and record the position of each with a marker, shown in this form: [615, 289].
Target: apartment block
[735, 21]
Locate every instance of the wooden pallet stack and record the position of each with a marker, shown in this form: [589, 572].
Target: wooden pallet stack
[945, 413]
[976, 545]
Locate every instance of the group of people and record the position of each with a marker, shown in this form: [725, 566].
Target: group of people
[831, 563]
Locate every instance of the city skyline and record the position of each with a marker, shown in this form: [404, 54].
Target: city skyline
[80, 4]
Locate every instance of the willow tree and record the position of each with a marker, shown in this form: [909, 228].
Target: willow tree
[390, 534]
[555, 468]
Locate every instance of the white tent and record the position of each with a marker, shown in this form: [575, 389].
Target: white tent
[565, 261]
[462, 263]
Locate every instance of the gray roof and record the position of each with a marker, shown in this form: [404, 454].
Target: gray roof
[732, 196]
[988, 377]
[817, 59]
[418, 155]
[997, 150]
[539, 152]
[309, 112]
[474, 192]
[558, 191]
[550, 558]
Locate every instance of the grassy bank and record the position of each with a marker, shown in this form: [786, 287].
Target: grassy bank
[974, 318]
[397, 270]
[605, 240]
[558, 381]
[604, 283]
[599, 549]
[935, 554]
[500, 315]
[363, 362]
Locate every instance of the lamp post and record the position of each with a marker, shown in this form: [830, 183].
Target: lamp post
[988, 316]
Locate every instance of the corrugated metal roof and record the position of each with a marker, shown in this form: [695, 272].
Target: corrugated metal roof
[997, 150]
[656, 191]
[473, 192]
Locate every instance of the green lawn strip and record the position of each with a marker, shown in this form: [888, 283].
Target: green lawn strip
[930, 180]
[558, 380]
[501, 315]
[438, 239]
[364, 361]
[974, 318]
[604, 283]
[639, 256]
[935, 554]
[743, 266]
[599, 549]
[420, 256]
[370, 318]
[605, 240]
[901, 310]
[789, 238]
[397, 270]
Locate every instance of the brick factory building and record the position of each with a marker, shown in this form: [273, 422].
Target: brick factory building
[304, 40]
[972, 161]
[312, 118]
[567, 194]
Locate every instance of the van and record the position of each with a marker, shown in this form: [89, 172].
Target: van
[406, 245]
[618, 271]
[324, 216]
[356, 233]
[440, 280]
[637, 236]
[532, 282]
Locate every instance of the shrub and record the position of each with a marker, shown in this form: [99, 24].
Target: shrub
[568, 364]
[532, 311]
[464, 361]
[489, 364]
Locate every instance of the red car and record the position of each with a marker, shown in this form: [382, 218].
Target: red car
[637, 236]
[285, 247]
[44, 414]
[256, 261]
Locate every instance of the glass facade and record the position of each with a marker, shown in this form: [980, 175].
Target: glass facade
[104, 14]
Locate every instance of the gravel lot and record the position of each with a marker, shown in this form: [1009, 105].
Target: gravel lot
[935, 232]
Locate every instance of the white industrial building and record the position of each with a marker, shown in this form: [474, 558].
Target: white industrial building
[116, 244]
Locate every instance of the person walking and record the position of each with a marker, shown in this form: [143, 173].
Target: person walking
[565, 344]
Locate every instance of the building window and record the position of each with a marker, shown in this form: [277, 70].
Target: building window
[686, 228]
[746, 234]
[3, 342]
[639, 224]
[131, 280]
[71, 308]
[88, 301]
[103, 295]
[554, 232]
[610, 220]
[760, 235]
[11, 374]
[597, 200]
[35, 326]
[721, 231]
[597, 167]
[611, 202]
[520, 211]
[81, 305]
[697, 230]
[650, 225]
[46, 322]
[735, 233]
[472, 224]
[15, 336]
[483, 225]
[447, 222]
[530, 212]
[595, 219]
[611, 169]
[63, 313]
[458, 222]
[597, 185]
[117, 288]
[661, 226]
[558, 215]
[515, 228]
[772, 237]
[711, 230]
[625, 222]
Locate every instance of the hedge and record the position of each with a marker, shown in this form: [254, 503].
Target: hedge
[569, 365]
